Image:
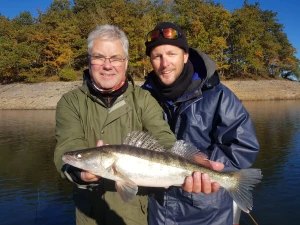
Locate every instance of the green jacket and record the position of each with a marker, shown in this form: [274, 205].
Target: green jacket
[81, 120]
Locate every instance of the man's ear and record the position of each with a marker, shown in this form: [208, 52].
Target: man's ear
[126, 64]
[185, 56]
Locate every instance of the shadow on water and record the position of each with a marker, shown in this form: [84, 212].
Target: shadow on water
[32, 192]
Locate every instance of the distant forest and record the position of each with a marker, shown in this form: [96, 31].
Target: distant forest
[248, 43]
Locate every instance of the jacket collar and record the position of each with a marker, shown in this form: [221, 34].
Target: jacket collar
[86, 89]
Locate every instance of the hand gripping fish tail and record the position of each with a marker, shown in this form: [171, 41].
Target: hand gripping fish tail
[142, 161]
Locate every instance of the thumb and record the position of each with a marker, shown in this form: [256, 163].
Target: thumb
[100, 143]
[216, 165]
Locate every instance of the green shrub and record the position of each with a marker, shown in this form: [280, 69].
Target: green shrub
[67, 74]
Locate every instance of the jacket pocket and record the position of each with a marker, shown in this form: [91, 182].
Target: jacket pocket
[213, 209]
[199, 200]
[202, 200]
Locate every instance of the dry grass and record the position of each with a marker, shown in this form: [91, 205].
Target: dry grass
[265, 89]
[46, 95]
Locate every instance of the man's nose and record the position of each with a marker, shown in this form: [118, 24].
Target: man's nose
[165, 61]
[107, 64]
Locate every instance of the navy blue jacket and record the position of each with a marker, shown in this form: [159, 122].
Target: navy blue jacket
[212, 118]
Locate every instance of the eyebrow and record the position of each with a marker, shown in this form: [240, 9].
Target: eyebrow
[166, 53]
[113, 56]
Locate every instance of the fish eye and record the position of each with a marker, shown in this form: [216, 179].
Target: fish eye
[78, 156]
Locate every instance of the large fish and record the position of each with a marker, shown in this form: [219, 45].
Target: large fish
[142, 161]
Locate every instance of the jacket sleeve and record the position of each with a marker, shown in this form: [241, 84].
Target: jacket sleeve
[234, 141]
[153, 121]
[68, 131]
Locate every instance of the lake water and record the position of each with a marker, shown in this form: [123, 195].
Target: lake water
[32, 192]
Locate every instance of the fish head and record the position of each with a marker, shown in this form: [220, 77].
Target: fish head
[91, 160]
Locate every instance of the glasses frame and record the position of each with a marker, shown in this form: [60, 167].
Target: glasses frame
[102, 60]
[162, 32]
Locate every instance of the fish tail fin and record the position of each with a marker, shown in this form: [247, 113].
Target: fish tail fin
[241, 192]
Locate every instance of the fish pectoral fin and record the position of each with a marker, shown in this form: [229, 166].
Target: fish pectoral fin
[127, 189]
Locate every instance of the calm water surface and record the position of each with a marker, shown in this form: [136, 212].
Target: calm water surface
[31, 191]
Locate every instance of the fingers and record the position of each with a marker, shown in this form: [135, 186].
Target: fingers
[200, 183]
[216, 165]
[202, 160]
[88, 177]
[206, 185]
[215, 186]
[194, 183]
[197, 182]
[188, 184]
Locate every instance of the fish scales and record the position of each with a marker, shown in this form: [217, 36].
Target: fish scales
[164, 159]
[154, 168]
[132, 164]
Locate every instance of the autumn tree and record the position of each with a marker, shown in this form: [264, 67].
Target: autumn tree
[258, 45]
[246, 43]
[18, 52]
[62, 39]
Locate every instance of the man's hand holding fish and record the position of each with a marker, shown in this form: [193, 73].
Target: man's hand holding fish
[200, 182]
[89, 177]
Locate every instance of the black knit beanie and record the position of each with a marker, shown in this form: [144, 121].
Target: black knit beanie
[180, 42]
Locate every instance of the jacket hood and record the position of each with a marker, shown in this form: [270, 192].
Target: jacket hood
[203, 64]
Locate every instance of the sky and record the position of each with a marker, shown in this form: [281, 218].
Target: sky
[288, 12]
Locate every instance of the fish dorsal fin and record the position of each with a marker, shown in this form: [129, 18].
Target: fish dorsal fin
[190, 152]
[143, 139]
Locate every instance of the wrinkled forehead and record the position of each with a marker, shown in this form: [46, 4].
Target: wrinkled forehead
[107, 48]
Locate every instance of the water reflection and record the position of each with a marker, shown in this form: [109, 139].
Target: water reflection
[31, 191]
[277, 199]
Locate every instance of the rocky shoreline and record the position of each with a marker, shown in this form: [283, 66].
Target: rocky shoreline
[46, 95]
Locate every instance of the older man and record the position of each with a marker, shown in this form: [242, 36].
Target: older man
[107, 107]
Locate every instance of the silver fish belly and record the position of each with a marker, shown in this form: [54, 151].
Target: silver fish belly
[141, 161]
